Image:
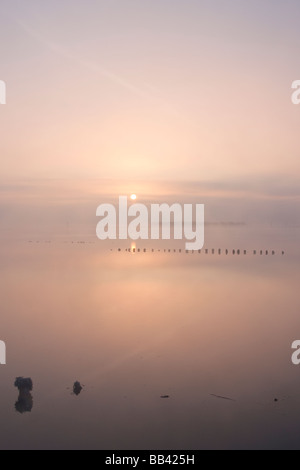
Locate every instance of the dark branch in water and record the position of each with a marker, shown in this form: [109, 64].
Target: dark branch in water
[222, 398]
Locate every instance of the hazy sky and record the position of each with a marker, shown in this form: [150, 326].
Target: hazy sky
[160, 89]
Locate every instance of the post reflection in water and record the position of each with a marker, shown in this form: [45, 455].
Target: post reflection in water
[25, 399]
[77, 389]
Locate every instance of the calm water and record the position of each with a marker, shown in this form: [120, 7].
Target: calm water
[134, 328]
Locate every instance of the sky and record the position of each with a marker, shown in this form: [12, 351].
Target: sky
[169, 90]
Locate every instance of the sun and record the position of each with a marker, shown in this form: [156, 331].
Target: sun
[133, 197]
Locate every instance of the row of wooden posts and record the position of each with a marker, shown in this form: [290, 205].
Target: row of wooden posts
[206, 251]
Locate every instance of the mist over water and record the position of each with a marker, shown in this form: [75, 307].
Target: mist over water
[140, 344]
[133, 328]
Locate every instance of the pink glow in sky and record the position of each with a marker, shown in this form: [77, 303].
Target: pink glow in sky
[193, 90]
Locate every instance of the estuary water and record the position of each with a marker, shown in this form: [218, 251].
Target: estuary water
[173, 350]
